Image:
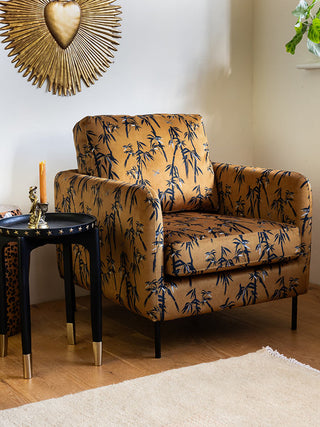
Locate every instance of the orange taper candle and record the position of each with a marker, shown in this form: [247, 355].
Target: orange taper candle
[43, 182]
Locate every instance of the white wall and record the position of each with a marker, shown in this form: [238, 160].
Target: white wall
[174, 56]
[286, 105]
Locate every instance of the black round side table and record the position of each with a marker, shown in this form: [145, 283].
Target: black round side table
[65, 229]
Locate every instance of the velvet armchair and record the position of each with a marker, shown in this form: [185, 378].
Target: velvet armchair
[182, 236]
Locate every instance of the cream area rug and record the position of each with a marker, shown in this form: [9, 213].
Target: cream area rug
[258, 389]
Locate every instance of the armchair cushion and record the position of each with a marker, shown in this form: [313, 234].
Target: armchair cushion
[196, 243]
[166, 152]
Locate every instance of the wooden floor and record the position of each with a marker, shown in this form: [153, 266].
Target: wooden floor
[60, 369]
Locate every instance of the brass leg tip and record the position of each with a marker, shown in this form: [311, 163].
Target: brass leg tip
[3, 345]
[97, 353]
[71, 334]
[27, 366]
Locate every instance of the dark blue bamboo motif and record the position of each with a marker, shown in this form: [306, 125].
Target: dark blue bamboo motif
[249, 293]
[264, 247]
[281, 237]
[149, 120]
[157, 244]
[131, 293]
[225, 278]
[194, 306]
[281, 202]
[106, 160]
[242, 249]
[224, 261]
[200, 197]
[284, 290]
[227, 305]
[240, 207]
[160, 289]
[179, 263]
[83, 265]
[306, 220]
[142, 156]
[130, 123]
[190, 160]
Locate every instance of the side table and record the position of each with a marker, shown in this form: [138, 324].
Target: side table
[12, 282]
[65, 229]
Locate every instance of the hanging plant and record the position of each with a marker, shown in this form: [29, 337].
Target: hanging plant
[308, 23]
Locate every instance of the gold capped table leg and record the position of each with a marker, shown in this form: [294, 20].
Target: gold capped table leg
[71, 334]
[27, 366]
[3, 345]
[97, 353]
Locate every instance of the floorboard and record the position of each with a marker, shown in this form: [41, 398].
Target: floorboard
[59, 369]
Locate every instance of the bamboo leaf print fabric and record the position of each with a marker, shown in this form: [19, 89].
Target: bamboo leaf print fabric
[179, 235]
[166, 152]
[199, 243]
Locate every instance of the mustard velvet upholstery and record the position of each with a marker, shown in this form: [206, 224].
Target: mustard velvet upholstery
[197, 243]
[167, 152]
[246, 240]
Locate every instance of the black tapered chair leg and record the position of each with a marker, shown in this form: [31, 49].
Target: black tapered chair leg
[157, 340]
[294, 313]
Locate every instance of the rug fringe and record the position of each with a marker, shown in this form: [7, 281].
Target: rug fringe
[275, 353]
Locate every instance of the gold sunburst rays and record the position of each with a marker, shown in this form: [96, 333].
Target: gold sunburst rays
[47, 46]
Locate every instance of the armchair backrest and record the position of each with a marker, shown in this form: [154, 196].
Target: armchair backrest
[167, 152]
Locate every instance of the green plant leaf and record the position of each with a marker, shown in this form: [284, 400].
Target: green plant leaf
[313, 47]
[302, 10]
[298, 27]
[301, 27]
[292, 44]
[314, 31]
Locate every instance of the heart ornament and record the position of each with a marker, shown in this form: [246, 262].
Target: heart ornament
[63, 19]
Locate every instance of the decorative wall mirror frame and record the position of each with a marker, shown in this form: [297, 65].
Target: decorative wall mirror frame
[61, 41]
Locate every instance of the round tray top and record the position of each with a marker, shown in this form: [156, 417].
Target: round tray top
[59, 224]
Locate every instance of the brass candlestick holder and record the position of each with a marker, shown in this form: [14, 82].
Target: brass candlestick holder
[37, 212]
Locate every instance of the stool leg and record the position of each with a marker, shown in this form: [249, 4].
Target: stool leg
[24, 266]
[95, 294]
[69, 293]
[3, 305]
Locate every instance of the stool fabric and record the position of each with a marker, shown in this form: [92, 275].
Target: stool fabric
[11, 268]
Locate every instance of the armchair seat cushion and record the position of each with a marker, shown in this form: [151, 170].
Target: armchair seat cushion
[198, 242]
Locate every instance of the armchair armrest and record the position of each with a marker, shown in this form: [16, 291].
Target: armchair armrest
[131, 233]
[273, 195]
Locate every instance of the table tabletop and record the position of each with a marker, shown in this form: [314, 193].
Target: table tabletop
[58, 224]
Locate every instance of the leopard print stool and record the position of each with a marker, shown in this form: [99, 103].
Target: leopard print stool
[11, 268]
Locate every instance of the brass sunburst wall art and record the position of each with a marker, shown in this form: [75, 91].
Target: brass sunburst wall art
[61, 41]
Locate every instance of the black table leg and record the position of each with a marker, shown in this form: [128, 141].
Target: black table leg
[92, 245]
[24, 266]
[3, 305]
[69, 293]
